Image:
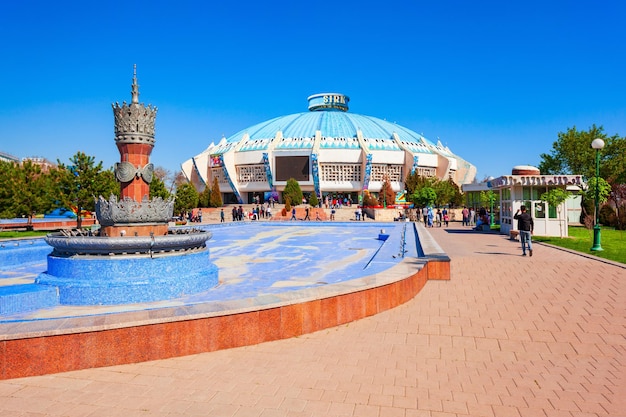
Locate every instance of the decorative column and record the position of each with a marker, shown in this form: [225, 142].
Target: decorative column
[135, 214]
[134, 137]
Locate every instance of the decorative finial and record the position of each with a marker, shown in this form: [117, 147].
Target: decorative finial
[135, 86]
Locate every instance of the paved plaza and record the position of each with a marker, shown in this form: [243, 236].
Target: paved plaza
[506, 336]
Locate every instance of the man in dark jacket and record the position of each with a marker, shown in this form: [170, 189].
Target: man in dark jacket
[525, 225]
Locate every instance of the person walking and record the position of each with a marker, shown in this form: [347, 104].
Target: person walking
[222, 216]
[430, 216]
[306, 211]
[465, 213]
[293, 214]
[525, 225]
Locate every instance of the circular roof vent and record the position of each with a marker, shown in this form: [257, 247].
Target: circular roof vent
[328, 102]
[525, 170]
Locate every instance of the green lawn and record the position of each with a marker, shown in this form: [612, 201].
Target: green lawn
[581, 239]
[12, 234]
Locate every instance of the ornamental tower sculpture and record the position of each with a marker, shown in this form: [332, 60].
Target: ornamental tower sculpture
[134, 257]
[135, 214]
[134, 137]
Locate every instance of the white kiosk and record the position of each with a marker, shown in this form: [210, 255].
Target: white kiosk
[524, 187]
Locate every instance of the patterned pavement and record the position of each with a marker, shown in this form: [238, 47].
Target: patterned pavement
[507, 336]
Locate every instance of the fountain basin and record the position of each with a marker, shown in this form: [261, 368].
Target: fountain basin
[122, 279]
[95, 270]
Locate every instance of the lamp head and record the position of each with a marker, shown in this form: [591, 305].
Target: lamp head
[597, 144]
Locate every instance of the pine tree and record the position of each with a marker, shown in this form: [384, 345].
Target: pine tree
[204, 198]
[216, 195]
[293, 192]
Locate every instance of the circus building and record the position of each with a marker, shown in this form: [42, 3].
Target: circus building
[328, 150]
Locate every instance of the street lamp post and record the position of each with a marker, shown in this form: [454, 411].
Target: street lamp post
[597, 144]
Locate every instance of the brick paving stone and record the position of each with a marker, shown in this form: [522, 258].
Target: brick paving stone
[503, 337]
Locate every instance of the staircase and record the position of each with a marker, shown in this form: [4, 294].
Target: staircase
[212, 215]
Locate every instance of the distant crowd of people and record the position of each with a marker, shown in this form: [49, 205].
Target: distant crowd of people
[439, 217]
[432, 217]
[260, 211]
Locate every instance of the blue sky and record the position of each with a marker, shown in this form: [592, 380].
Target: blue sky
[494, 80]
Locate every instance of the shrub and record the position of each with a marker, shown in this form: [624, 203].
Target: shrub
[607, 215]
[369, 200]
[292, 192]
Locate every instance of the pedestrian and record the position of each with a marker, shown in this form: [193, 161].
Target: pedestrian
[293, 214]
[200, 215]
[465, 213]
[425, 215]
[525, 225]
[306, 212]
[429, 217]
[222, 216]
[446, 218]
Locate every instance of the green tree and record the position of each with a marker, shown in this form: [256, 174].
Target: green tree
[613, 163]
[186, 198]
[589, 196]
[158, 189]
[423, 197]
[313, 200]
[293, 192]
[488, 199]
[80, 183]
[555, 198]
[414, 182]
[447, 193]
[572, 154]
[204, 198]
[216, 194]
[6, 190]
[28, 189]
[106, 184]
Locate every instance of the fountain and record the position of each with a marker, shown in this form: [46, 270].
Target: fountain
[134, 256]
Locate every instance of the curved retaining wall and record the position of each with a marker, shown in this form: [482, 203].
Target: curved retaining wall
[51, 346]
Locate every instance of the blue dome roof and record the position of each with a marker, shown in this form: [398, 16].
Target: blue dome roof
[331, 124]
[334, 123]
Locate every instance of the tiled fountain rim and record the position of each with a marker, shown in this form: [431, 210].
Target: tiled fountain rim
[98, 322]
[80, 324]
